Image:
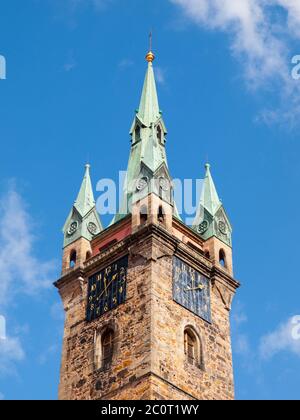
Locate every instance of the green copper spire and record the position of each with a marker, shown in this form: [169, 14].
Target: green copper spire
[85, 200]
[209, 197]
[83, 220]
[147, 168]
[211, 219]
[149, 109]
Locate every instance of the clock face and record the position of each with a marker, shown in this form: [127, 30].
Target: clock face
[164, 184]
[191, 289]
[92, 228]
[222, 227]
[107, 289]
[202, 228]
[72, 228]
[142, 183]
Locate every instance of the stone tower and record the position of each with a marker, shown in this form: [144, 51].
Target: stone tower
[147, 301]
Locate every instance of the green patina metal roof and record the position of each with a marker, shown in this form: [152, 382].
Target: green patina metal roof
[83, 220]
[209, 196]
[149, 109]
[148, 160]
[211, 218]
[85, 200]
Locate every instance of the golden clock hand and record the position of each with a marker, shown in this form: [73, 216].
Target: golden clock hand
[191, 289]
[107, 286]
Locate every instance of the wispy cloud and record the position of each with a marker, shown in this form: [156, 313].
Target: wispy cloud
[126, 63]
[241, 345]
[261, 33]
[11, 351]
[21, 271]
[57, 311]
[48, 353]
[286, 337]
[160, 75]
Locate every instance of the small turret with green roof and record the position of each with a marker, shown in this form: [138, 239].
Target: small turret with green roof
[83, 220]
[211, 218]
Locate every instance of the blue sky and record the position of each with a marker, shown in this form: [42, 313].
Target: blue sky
[74, 75]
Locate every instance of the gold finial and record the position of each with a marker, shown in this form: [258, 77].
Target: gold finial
[150, 57]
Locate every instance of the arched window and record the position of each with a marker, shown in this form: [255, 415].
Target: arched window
[159, 134]
[193, 348]
[222, 258]
[73, 259]
[107, 346]
[190, 347]
[137, 133]
[104, 348]
[161, 215]
[143, 215]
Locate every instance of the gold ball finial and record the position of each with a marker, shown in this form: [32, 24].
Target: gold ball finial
[150, 57]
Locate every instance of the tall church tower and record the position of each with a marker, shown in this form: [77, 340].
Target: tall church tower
[147, 301]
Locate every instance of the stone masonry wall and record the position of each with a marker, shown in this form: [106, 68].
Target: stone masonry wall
[149, 360]
[131, 321]
[215, 380]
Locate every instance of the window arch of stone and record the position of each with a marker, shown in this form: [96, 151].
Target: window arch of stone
[73, 258]
[222, 258]
[193, 348]
[143, 214]
[161, 216]
[137, 133]
[159, 133]
[104, 347]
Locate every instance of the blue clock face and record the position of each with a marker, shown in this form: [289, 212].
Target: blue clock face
[107, 289]
[191, 289]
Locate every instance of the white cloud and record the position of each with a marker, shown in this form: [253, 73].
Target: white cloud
[57, 311]
[240, 342]
[126, 63]
[21, 271]
[160, 75]
[284, 338]
[48, 353]
[11, 351]
[260, 33]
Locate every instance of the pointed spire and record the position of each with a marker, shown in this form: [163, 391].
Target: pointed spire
[148, 160]
[149, 111]
[209, 197]
[85, 200]
[211, 219]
